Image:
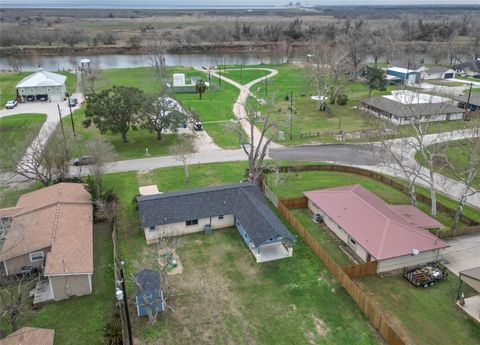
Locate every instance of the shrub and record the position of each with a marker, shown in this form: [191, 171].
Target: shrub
[342, 99]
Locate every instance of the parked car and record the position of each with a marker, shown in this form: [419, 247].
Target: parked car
[10, 104]
[84, 160]
[30, 98]
[197, 126]
[477, 75]
[72, 102]
[43, 98]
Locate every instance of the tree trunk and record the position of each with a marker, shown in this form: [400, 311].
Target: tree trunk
[186, 172]
[433, 196]
[458, 213]
[413, 194]
[369, 92]
[159, 135]
[200, 95]
[124, 137]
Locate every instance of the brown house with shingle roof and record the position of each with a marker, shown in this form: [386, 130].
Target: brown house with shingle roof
[30, 336]
[51, 229]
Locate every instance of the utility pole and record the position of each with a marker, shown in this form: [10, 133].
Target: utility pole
[125, 304]
[291, 114]
[469, 95]
[63, 131]
[71, 115]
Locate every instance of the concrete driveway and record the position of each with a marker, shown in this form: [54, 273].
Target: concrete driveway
[463, 253]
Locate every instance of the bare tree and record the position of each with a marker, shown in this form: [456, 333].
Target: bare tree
[183, 152]
[15, 63]
[13, 300]
[156, 51]
[467, 174]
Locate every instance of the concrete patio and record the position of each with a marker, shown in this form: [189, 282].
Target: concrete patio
[271, 252]
[472, 307]
[42, 292]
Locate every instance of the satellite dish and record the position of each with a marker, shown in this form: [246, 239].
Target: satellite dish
[415, 251]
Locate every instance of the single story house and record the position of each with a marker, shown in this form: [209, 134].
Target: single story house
[30, 336]
[42, 84]
[241, 205]
[471, 67]
[148, 292]
[438, 73]
[375, 230]
[405, 75]
[404, 105]
[471, 103]
[51, 229]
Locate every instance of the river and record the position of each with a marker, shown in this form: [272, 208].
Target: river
[65, 62]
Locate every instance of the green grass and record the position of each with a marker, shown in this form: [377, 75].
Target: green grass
[444, 82]
[9, 80]
[138, 140]
[79, 320]
[245, 76]
[294, 184]
[425, 313]
[9, 194]
[216, 105]
[18, 131]
[457, 155]
[467, 78]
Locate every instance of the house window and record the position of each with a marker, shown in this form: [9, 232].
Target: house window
[353, 242]
[191, 222]
[220, 216]
[36, 256]
[49, 89]
[152, 227]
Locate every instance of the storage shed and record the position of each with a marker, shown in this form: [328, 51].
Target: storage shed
[148, 292]
[42, 85]
[407, 76]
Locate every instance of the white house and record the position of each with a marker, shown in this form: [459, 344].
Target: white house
[438, 73]
[42, 85]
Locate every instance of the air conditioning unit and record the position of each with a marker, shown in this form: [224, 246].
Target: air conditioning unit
[317, 218]
[207, 229]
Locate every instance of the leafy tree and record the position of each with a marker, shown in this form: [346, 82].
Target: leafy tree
[163, 113]
[116, 109]
[375, 79]
[200, 87]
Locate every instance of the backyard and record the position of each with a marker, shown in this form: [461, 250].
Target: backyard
[18, 131]
[8, 81]
[80, 320]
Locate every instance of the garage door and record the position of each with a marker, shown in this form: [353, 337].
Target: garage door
[448, 76]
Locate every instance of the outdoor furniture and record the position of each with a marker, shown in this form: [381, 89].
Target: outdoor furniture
[26, 271]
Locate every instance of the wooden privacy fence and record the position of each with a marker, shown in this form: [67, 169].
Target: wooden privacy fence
[361, 270]
[377, 318]
[459, 232]
[376, 176]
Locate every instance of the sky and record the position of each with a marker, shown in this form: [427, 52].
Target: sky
[215, 3]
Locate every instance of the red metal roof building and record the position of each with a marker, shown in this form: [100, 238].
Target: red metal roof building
[391, 234]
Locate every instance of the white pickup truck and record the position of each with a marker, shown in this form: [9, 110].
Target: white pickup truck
[10, 104]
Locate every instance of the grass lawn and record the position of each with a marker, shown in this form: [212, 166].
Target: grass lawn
[425, 313]
[18, 130]
[223, 296]
[467, 78]
[216, 105]
[137, 140]
[79, 320]
[443, 82]
[245, 76]
[456, 153]
[293, 184]
[9, 80]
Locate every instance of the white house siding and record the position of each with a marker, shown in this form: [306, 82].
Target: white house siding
[55, 93]
[180, 228]
[407, 260]
[65, 286]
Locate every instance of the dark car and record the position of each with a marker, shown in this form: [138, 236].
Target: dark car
[477, 75]
[72, 102]
[30, 98]
[84, 160]
[197, 126]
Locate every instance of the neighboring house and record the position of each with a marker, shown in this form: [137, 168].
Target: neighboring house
[148, 292]
[51, 229]
[471, 277]
[30, 336]
[42, 84]
[470, 68]
[403, 105]
[438, 73]
[392, 235]
[471, 102]
[241, 205]
[404, 75]
[472, 304]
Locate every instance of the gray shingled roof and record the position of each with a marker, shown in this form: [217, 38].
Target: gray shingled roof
[408, 110]
[438, 69]
[243, 200]
[474, 98]
[472, 65]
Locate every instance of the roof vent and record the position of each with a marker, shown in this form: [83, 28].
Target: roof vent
[415, 251]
